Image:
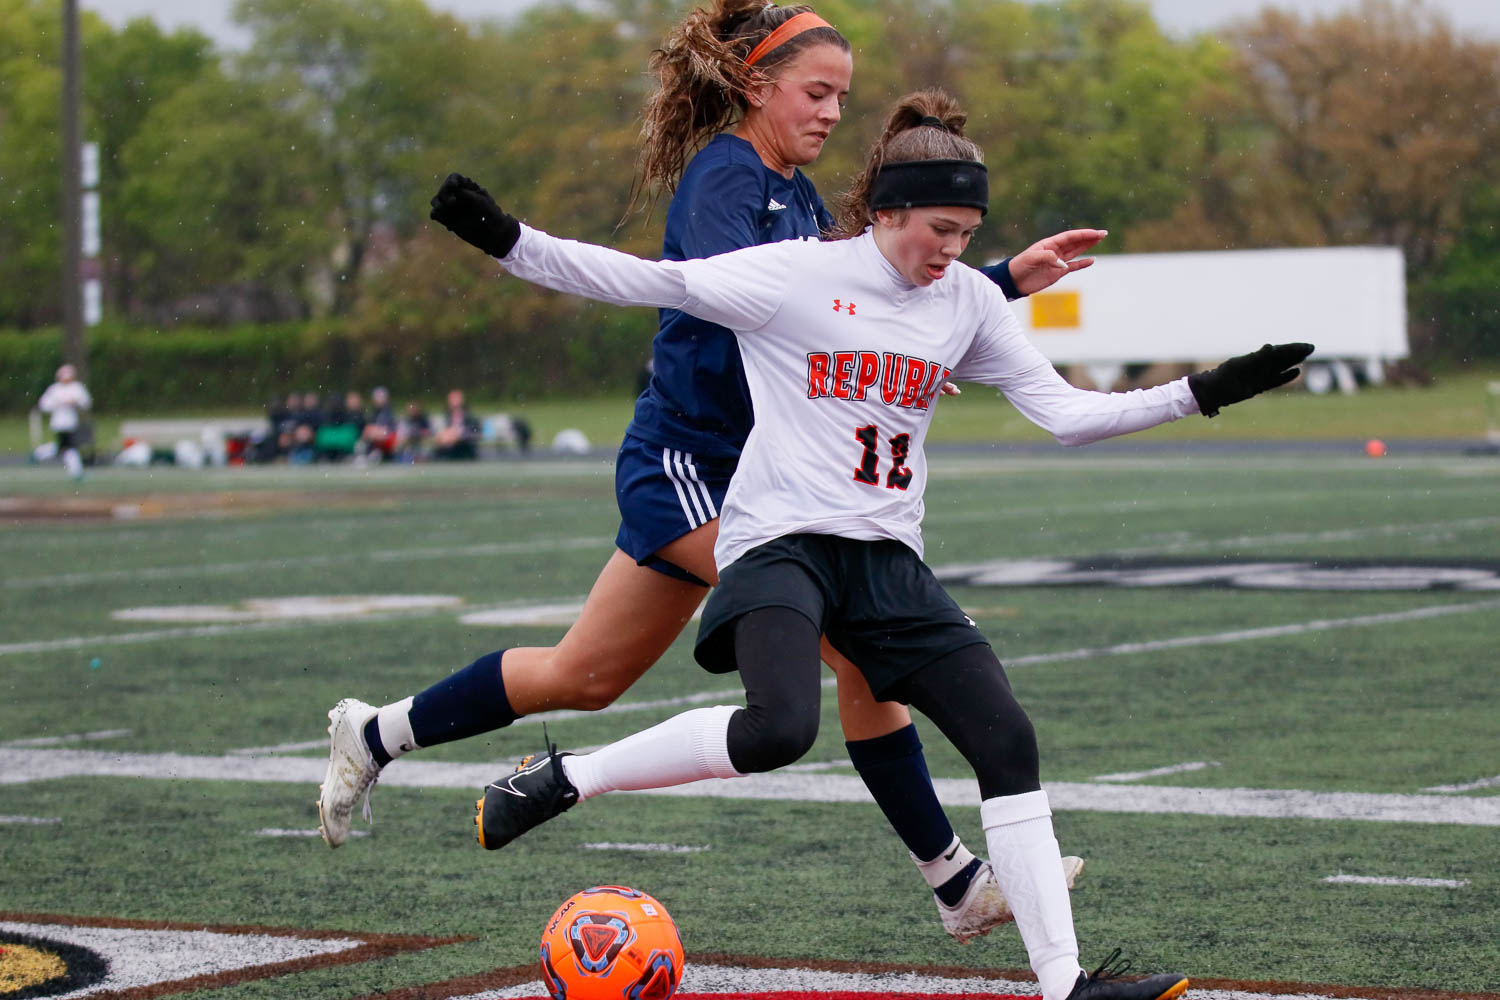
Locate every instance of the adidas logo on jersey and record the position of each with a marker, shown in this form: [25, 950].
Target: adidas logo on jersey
[774, 206]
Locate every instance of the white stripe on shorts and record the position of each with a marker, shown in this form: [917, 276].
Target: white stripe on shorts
[697, 502]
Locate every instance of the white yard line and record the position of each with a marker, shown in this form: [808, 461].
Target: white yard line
[1475, 524]
[646, 848]
[1266, 632]
[204, 631]
[936, 514]
[17, 766]
[277, 831]
[53, 741]
[701, 977]
[1422, 883]
[354, 556]
[1472, 786]
[30, 820]
[1219, 638]
[1157, 772]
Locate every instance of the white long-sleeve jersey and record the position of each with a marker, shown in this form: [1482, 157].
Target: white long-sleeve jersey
[845, 359]
[61, 402]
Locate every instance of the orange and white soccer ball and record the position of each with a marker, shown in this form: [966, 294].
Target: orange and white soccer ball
[611, 943]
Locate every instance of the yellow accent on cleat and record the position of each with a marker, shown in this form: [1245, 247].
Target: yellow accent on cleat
[1176, 990]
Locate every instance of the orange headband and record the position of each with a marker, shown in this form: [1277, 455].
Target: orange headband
[791, 28]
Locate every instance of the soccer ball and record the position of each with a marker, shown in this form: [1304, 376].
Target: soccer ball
[611, 943]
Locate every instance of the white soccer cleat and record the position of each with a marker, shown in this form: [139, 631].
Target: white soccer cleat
[983, 907]
[351, 770]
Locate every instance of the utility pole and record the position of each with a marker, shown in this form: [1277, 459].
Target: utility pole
[75, 347]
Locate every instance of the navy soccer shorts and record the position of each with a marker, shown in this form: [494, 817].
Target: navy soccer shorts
[876, 601]
[663, 494]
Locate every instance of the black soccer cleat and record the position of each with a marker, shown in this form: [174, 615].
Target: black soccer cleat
[1105, 983]
[533, 794]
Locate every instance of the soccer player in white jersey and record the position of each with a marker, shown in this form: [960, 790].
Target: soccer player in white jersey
[64, 402]
[846, 345]
[747, 93]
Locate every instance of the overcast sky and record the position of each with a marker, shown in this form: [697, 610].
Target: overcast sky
[1479, 17]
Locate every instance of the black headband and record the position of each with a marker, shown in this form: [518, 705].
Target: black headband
[918, 183]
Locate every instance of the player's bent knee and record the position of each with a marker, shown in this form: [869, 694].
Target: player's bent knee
[760, 742]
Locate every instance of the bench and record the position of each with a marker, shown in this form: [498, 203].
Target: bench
[211, 440]
[168, 431]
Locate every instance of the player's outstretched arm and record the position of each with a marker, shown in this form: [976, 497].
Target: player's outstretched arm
[601, 273]
[1040, 265]
[1247, 375]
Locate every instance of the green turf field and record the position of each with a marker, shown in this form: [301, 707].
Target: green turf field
[1216, 752]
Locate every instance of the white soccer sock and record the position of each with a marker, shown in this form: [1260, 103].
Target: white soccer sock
[950, 861]
[395, 728]
[1028, 866]
[687, 747]
[72, 462]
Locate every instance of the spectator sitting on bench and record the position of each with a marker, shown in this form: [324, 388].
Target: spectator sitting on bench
[459, 438]
[343, 423]
[306, 419]
[378, 439]
[414, 435]
[273, 441]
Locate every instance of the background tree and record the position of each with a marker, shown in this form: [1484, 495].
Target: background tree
[30, 109]
[1374, 126]
[222, 208]
[375, 84]
[128, 74]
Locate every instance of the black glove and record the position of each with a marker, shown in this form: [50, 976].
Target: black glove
[468, 212]
[1247, 375]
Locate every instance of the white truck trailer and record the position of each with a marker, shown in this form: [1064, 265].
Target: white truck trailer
[1200, 308]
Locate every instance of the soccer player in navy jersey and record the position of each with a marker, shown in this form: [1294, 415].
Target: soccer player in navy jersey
[759, 88]
[821, 536]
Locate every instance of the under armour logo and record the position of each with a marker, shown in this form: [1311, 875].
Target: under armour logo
[838, 306]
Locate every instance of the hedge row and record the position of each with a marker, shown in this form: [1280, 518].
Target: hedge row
[135, 370]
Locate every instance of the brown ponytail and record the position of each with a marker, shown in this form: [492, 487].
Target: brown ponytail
[702, 81]
[910, 133]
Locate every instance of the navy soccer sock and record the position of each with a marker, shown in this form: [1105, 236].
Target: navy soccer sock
[463, 704]
[895, 772]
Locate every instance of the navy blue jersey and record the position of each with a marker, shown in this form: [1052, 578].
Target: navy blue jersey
[727, 200]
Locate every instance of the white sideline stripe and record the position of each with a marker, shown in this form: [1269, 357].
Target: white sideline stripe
[699, 977]
[1268, 632]
[31, 820]
[734, 696]
[281, 748]
[1327, 535]
[1472, 786]
[52, 741]
[1120, 649]
[252, 565]
[277, 831]
[653, 848]
[1192, 502]
[17, 766]
[1156, 772]
[208, 631]
[1424, 883]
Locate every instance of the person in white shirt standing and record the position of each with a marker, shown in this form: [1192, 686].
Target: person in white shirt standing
[846, 346]
[65, 402]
